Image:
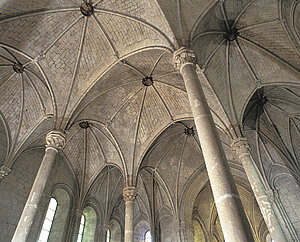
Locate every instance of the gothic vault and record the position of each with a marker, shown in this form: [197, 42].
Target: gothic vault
[149, 120]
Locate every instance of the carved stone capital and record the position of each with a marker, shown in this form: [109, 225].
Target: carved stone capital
[240, 146]
[56, 140]
[129, 194]
[4, 171]
[184, 56]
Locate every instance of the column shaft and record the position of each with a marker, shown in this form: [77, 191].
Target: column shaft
[233, 220]
[129, 195]
[242, 149]
[23, 228]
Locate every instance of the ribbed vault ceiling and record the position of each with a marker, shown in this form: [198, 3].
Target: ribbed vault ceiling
[242, 45]
[59, 68]
[272, 119]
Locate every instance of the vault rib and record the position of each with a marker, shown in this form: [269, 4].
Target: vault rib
[265, 180]
[270, 90]
[97, 96]
[140, 21]
[117, 146]
[179, 18]
[287, 153]
[124, 62]
[166, 74]
[297, 128]
[84, 166]
[137, 128]
[246, 61]
[198, 144]
[8, 135]
[11, 54]
[197, 36]
[163, 102]
[219, 118]
[97, 2]
[37, 12]
[259, 24]
[294, 5]
[80, 49]
[170, 85]
[152, 148]
[241, 13]
[123, 105]
[14, 141]
[294, 94]
[114, 191]
[167, 191]
[156, 63]
[224, 14]
[287, 64]
[5, 58]
[61, 35]
[274, 105]
[106, 37]
[229, 87]
[48, 87]
[8, 79]
[98, 143]
[107, 190]
[283, 24]
[213, 53]
[18, 150]
[178, 174]
[290, 136]
[169, 148]
[31, 83]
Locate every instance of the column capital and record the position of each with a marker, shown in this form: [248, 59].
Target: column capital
[55, 139]
[129, 194]
[240, 146]
[4, 171]
[184, 56]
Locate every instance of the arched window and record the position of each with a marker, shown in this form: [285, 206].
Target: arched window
[87, 226]
[48, 221]
[115, 231]
[60, 223]
[81, 228]
[147, 236]
[108, 235]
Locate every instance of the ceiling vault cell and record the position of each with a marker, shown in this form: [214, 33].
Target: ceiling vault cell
[247, 44]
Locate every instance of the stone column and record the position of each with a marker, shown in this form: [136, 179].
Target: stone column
[55, 140]
[232, 217]
[129, 194]
[242, 149]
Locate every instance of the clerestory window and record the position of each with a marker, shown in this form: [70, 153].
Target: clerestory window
[44, 235]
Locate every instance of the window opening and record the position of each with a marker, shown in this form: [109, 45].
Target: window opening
[148, 236]
[81, 228]
[48, 221]
[108, 235]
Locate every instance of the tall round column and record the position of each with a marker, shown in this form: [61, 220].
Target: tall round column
[55, 140]
[232, 217]
[242, 149]
[129, 194]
